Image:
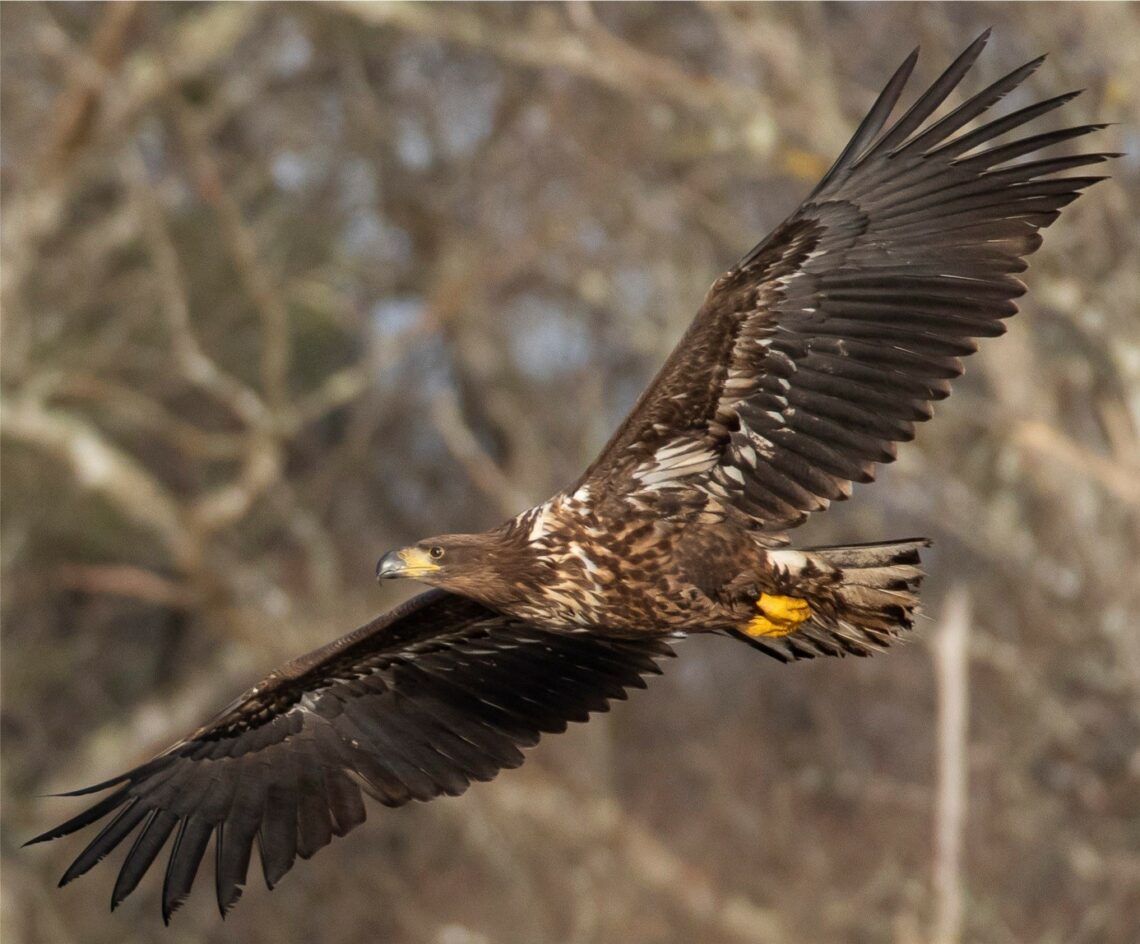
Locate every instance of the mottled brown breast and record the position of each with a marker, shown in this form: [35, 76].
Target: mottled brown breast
[625, 570]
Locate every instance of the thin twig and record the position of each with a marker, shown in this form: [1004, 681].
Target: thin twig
[462, 443]
[260, 287]
[600, 822]
[229, 503]
[1039, 437]
[147, 413]
[98, 465]
[196, 365]
[595, 55]
[124, 580]
[78, 104]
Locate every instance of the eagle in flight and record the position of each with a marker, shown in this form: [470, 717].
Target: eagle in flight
[808, 361]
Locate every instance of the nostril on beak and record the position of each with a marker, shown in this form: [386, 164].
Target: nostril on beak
[390, 565]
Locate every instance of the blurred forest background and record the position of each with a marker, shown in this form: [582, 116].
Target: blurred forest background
[286, 285]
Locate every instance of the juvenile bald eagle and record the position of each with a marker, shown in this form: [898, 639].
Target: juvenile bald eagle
[807, 362]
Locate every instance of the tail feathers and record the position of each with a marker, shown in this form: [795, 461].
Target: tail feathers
[879, 587]
[862, 597]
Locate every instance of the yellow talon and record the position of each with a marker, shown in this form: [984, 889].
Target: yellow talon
[778, 615]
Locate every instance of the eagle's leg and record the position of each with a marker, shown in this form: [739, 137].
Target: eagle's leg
[778, 615]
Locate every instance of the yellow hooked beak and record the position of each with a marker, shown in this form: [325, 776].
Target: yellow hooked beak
[410, 562]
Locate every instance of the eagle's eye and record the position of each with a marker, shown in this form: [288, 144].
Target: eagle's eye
[436, 552]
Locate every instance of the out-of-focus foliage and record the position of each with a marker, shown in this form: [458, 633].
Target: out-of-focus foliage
[286, 285]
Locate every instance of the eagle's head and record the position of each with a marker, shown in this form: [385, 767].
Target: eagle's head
[476, 565]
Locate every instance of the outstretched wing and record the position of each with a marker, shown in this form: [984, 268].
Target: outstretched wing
[417, 703]
[825, 344]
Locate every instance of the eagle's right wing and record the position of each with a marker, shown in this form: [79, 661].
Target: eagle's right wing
[828, 341]
[421, 701]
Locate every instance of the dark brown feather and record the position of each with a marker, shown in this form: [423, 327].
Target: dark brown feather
[420, 702]
[845, 323]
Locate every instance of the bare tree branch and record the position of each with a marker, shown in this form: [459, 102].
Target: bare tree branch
[951, 662]
[593, 821]
[1050, 444]
[101, 467]
[276, 334]
[464, 446]
[79, 101]
[595, 54]
[126, 581]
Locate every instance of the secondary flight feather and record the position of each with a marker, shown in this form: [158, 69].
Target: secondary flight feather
[808, 361]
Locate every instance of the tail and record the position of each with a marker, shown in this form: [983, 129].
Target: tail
[861, 598]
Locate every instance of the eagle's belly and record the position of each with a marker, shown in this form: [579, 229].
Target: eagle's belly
[631, 576]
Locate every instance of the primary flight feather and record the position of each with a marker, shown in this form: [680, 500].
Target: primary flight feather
[808, 361]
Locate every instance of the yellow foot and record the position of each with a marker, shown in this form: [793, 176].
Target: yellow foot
[778, 615]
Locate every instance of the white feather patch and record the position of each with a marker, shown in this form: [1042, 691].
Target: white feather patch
[791, 561]
[673, 461]
[538, 525]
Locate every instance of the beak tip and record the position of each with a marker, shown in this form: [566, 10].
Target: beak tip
[388, 566]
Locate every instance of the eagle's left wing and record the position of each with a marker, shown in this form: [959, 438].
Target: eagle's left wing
[417, 703]
[825, 344]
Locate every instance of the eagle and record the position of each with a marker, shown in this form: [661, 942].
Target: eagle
[808, 361]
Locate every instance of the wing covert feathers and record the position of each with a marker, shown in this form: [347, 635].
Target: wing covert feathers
[419, 703]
